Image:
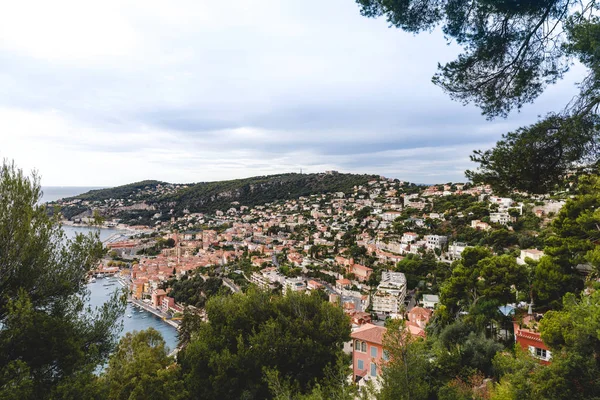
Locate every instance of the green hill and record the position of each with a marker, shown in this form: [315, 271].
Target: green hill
[205, 197]
[212, 196]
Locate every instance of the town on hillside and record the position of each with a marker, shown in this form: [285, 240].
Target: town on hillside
[379, 251]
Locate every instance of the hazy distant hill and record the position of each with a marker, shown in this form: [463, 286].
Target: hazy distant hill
[208, 197]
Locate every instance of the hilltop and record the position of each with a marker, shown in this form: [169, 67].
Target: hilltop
[138, 202]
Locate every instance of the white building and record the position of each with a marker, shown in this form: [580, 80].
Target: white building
[455, 250]
[294, 285]
[503, 218]
[534, 254]
[390, 294]
[435, 241]
[267, 278]
[430, 300]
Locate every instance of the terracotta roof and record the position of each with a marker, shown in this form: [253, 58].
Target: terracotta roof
[369, 333]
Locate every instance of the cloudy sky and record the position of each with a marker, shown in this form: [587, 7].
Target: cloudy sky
[111, 92]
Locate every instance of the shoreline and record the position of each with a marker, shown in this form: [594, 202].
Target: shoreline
[151, 310]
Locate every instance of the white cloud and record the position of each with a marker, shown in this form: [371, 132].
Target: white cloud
[116, 91]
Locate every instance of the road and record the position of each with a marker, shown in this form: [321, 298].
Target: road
[234, 288]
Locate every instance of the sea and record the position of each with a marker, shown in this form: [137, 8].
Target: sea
[134, 319]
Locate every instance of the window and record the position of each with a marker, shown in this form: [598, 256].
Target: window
[363, 347]
[373, 351]
[373, 369]
[386, 355]
[540, 353]
[361, 365]
[357, 345]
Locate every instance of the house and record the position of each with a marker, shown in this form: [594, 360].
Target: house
[502, 218]
[534, 254]
[359, 317]
[480, 226]
[390, 294]
[367, 352]
[167, 303]
[529, 338]
[419, 316]
[157, 297]
[455, 250]
[409, 237]
[314, 285]
[435, 241]
[430, 300]
[294, 285]
[342, 284]
[361, 272]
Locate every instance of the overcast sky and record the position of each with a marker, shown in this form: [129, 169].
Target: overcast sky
[110, 92]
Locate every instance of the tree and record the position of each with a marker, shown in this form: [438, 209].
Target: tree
[296, 334]
[512, 50]
[48, 339]
[141, 369]
[404, 375]
[481, 275]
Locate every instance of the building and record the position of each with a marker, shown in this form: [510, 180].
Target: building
[390, 294]
[361, 272]
[367, 352]
[480, 226]
[534, 254]
[294, 285]
[157, 297]
[430, 300]
[455, 250]
[418, 318]
[409, 237]
[529, 338]
[435, 242]
[502, 218]
[342, 284]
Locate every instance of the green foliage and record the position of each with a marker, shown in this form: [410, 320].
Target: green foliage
[405, 375]
[119, 192]
[195, 291]
[296, 334]
[479, 274]
[48, 340]
[140, 369]
[512, 50]
[537, 158]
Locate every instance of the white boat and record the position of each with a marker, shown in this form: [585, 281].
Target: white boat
[128, 315]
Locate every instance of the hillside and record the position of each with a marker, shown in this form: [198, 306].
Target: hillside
[119, 192]
[139, 201]
[212, 196]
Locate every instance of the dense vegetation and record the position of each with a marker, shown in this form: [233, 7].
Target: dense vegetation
[119, 192]
[50, 344]
[208, 197]
[194, 291]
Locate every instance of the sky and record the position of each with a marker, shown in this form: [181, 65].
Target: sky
[112, 92]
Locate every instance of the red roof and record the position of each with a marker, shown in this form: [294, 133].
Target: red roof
[369, 333]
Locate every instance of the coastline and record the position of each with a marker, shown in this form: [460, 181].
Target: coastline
[151, 310]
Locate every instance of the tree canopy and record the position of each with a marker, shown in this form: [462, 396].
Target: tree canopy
[49, 340]
[512, 50]
[296, 335]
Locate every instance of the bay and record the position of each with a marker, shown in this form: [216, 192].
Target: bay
[102, 290]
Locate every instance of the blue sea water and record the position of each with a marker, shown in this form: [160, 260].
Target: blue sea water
[102, 289]
[53, 193]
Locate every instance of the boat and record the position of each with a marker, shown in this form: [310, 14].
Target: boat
[93, 280]
[128, 315]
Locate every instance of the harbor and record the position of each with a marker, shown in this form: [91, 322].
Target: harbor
[138, 316]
